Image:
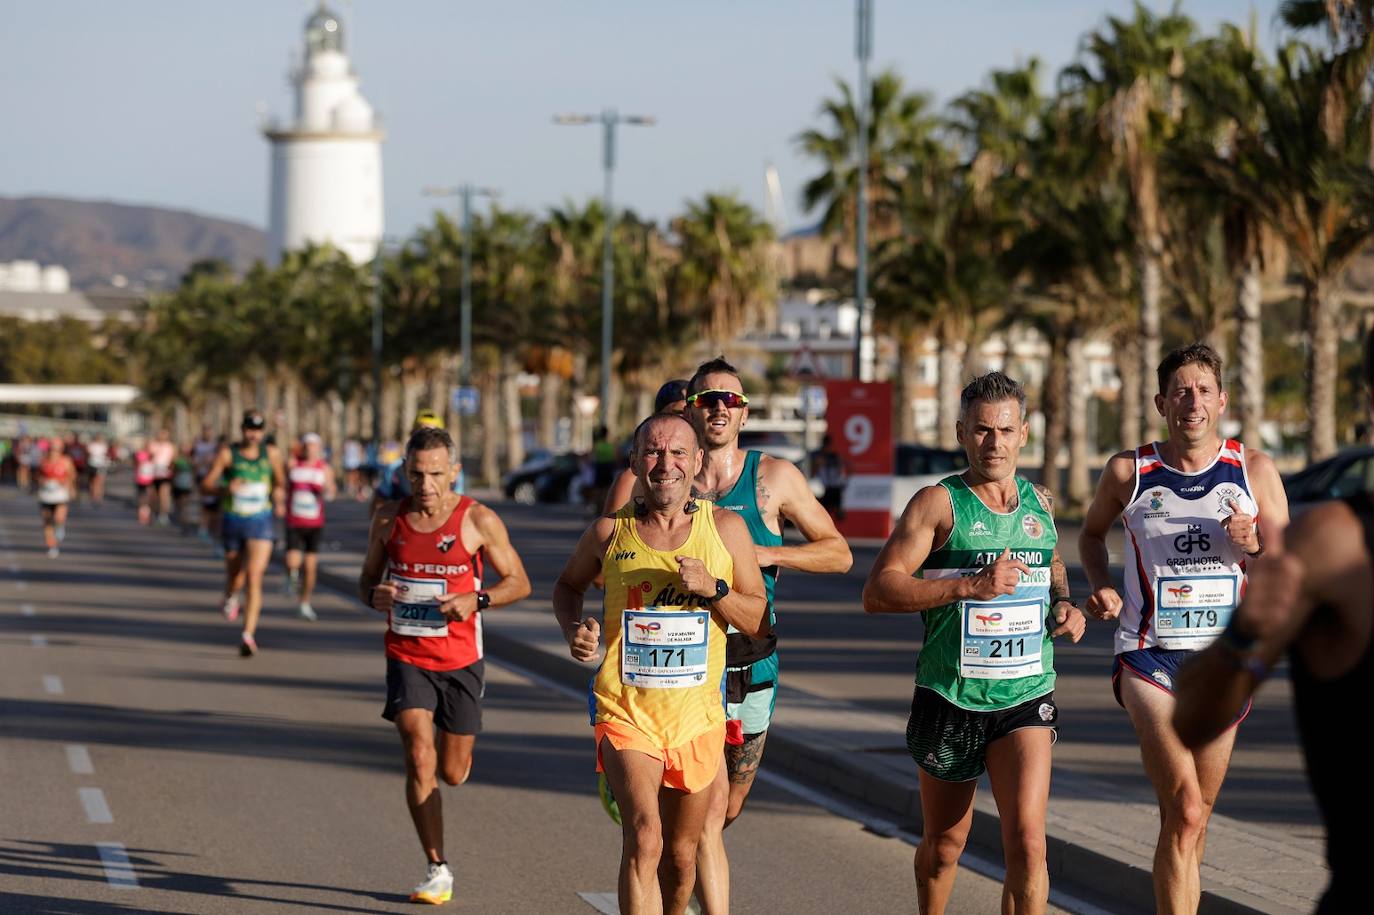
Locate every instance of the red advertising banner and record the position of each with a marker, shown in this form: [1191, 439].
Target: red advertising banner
[859, 421]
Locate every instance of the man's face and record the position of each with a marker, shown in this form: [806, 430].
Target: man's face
[1193, 404]
[993, 435]
[253, 436]
[666, 459]
[431, 474]
[313, 450]
[716, 423]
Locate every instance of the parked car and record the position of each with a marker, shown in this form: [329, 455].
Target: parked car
[543, 477]
[919, 466]
[1343, 474]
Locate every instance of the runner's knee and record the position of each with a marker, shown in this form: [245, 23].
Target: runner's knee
[1023, 847]
[1186, 815]
[644, 840]
[457, 767]
[942, 850]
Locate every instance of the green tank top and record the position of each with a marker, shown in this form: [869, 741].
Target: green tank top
[743, 500]
[991, 655]
[254, 495]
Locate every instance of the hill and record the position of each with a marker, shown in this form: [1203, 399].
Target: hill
[97, 240]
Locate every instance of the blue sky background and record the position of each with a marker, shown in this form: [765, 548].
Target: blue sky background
[153, 101]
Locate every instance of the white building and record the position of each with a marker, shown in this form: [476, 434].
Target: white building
[327, 163]
[28, 276]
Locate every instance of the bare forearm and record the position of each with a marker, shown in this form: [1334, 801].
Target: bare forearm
[747, 613]
[1059, 580]
[567, 605]
[822, 556]
[1092, 552]
[893, 592]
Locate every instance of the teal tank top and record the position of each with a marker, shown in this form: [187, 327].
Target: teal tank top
[991, 655]
[743, 500]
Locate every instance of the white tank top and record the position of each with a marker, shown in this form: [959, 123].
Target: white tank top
[1183, 575]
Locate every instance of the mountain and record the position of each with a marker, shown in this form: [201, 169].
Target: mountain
[98, 241]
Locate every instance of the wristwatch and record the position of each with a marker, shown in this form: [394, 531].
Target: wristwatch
[483, 600]
[722, 589]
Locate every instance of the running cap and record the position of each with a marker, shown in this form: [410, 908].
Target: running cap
[427, 419]
[252, 419]
[311, 438]
[671, 392]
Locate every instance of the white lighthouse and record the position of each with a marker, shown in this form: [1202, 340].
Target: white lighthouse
[327, 163]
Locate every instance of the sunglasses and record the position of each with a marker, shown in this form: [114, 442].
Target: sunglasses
[707, 400]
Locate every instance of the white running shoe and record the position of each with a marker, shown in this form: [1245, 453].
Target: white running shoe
[307, 612]
[52, 552]
[437, 888]
[230, 609]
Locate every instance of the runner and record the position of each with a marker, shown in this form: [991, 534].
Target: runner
[97, 467]
[1192, 508]
[183, 485]
[764, 491]
[25, 451]
[203, 451]
[424, 570]
[143, 482]
[353, 458]
[393, 483]
[990, 582]
[163, 452]
[256, 479]
[56, 479]
[671, 398]
[659, 725]
[310, 483]
[1311, 602]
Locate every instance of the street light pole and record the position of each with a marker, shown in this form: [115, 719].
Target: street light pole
[377, 349]
[863, 340]
[465, 192]
[609, 118]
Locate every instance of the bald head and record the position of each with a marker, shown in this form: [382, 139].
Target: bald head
[670, 424]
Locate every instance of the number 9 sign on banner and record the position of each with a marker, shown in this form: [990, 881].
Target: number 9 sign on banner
[859, 417]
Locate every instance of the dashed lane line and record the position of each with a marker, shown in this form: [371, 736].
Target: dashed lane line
[79, 760]
[119, 871]
[38, 641]
[97, 810]
[52, 684]
[26, 610]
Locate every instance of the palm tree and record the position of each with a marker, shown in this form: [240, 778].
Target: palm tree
[1130, 79]
[723, 274]
[1307, 175]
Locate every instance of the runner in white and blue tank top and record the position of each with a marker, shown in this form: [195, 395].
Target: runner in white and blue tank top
[1194, 507]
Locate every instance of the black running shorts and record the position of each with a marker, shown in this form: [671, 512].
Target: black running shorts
[305, 539]
[951, 743]
[454, 697]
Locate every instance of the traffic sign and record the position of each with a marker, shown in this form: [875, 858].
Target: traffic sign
[813, 400]
[466, 400]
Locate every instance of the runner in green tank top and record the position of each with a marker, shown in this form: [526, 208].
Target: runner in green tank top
[254, 478]
[764, 491]
[976, 554]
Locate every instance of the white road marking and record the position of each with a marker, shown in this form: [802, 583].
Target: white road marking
[605, 903]
[38, 641]
[79, 760]
[979, 865]
[97, 811]
[118, 870]
[26, 610]
[52, 684]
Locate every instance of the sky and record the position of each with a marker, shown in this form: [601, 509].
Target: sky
[156, 101]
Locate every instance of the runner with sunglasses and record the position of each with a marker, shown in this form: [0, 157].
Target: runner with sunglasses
[763, 490]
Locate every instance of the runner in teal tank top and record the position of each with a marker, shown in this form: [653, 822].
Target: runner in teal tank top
[976, 555]
[765, 491]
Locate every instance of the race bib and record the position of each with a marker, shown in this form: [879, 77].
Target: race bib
[145, 470]
[160, 469]
[1001, 639]
[664, 650]
[251, 497]
[53, 491]
[1193, 610]
[416, 609]
[305, 505]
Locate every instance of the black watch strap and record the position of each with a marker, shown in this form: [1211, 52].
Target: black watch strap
[722, 589]
[483, 600]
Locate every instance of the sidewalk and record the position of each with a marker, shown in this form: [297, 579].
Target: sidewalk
[1101, 837]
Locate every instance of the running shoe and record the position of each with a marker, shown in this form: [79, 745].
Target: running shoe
[60, 532]
[437, 888]
[291, 586]
[248, 646]
[307, 612]
[52, 552]
[231, 607]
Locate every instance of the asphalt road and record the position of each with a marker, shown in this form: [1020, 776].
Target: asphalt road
[148, 768]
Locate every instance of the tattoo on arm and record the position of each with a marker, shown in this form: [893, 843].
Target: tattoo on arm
[742, 762]
[1059, 580]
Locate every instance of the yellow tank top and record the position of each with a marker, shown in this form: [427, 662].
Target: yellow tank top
[665, 648]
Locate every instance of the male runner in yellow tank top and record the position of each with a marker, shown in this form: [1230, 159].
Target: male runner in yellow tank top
[672, 586]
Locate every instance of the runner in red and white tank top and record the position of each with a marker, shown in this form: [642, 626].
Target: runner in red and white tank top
[423, 569]
[56, 478]
[310, 483]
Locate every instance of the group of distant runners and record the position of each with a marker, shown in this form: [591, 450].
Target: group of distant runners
[687, 554]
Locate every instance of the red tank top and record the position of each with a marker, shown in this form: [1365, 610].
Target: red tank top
[305, 499]
[423, 565]
[53, 468]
